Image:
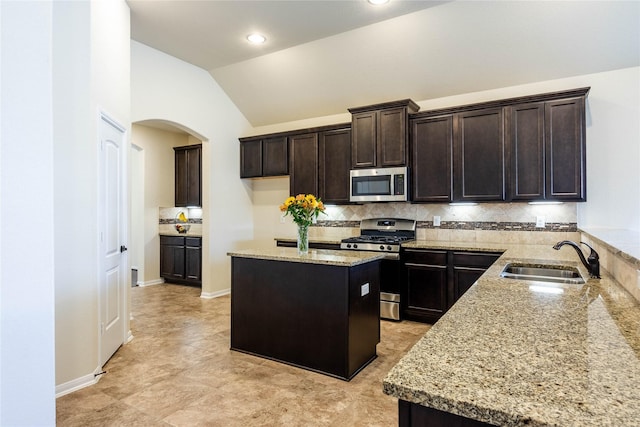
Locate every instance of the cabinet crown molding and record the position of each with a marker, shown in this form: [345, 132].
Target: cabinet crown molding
[409, 104]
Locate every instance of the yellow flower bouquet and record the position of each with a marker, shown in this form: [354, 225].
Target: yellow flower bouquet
[303, 208]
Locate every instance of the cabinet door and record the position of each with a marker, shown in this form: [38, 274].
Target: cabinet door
[172, 259]
[432, 142]
[479, 156]
[565, 150]
[188, 167]
[426, 297]
[392, 137]
[525, 125]
[193, 263]
[274, 156]
[463, 278]
[251, 159]
[303, 165]
[335, 161]
[363, 148]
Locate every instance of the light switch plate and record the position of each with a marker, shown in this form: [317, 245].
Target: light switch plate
[436, 221]
[364, 289]
[540, 222]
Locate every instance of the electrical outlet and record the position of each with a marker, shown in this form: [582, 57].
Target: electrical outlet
[281, 219]
[436, 221]
[540, 222]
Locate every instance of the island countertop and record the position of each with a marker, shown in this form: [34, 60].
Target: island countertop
[509, 353]
[315, 256]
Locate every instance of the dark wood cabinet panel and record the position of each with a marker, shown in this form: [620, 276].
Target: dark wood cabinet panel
[181, 259]
[274, 156]
[414, 415]
[565, 149]
[425, 297]
[312, 245]
[525, 126]
[188, 172]
[436, 279]
[303, 167]
[264, 157]
[432, 143]
[251, 159]
[365, 135]
[479, 155]
[380, 134]
[334, 152]
[392, 140]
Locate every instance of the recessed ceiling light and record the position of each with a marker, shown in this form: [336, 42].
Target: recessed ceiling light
[378, 2]
[256, 38]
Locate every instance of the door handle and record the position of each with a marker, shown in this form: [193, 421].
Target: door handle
[123, 248]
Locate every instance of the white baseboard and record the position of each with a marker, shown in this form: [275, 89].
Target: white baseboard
[209, 295]
[151, 282]
[78, 383]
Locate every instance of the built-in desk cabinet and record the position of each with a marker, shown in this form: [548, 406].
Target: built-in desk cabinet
[181, 259]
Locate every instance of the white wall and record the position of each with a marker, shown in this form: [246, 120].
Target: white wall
[166, 88]
[613, 154]
[26, 215]
[91, 72]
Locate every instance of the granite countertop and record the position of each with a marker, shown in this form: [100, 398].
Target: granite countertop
[315, 256]
[508, 354]
[333, 240]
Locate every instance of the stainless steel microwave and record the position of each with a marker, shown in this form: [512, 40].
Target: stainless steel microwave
[378, 185]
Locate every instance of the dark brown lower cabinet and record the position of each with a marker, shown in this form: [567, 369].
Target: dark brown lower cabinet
[414, 415]
[436, 279]
[181, 259]
[324, 318]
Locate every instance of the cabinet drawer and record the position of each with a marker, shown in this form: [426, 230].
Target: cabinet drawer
[475, 259]
[172, 240]
[193, 241]
[424, 257]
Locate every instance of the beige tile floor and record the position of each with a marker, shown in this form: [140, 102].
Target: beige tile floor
[179, 371]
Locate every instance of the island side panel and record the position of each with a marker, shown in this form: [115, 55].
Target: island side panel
[364, 315]
[292, 312]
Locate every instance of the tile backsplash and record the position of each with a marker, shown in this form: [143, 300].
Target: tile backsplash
[167, 219]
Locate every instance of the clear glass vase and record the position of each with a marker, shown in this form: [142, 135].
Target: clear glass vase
[303, 239]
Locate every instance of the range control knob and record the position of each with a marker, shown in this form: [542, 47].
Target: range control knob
[382, 247]
[348, 245]
[355, 246]
[389, 247]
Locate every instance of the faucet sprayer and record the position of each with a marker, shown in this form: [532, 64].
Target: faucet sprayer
[592, 263]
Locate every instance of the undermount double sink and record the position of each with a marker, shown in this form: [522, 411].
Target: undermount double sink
[542, 273]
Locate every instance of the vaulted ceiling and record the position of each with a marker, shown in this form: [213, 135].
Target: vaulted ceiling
[322, 57]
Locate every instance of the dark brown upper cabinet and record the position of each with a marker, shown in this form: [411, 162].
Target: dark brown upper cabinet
[565, 146]
[431, 164]
[479, 156]
[334, 153]
[547, 148]
[303, 167]
[380, 134]
[260, 157]
[525, 124]
[188, 173]
[520, 149]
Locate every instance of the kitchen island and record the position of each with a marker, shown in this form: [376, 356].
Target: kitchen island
[522, 353]
[318, 311]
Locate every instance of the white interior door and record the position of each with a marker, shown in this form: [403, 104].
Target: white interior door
[113, 237]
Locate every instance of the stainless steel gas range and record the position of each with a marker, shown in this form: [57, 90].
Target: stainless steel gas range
[385, 235]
